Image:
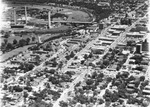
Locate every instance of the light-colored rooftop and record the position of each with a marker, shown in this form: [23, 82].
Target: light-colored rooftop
[98, 47]
[108, 42]
[119, 26]
[146, 91]
[111, 30]
[117, 32]
[135, 33]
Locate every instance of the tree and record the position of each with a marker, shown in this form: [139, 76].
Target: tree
[28, 40]
[109, 79]
[3, 45]
[142, 78]
[25, 94]
[75, 58]
[49, 46]
[85, 56]
[26, 66]
[33, 38]
[2, 32]
[101, 75]
[101, 101]
[146, 82]
[121, 101]
[47, 85]
[60, 65]
[94, 75]
[125, 74]
[82, 99]
[137, 83]
[131, 78]
[7, 35]
[91, 64]
[30, 66]
[52, 71]
[129, 21]
[98, 80]
[106, 62]
[72, 54]
[9, 46]
[15, 42]
[118, 68]
[67, 57]
[54, 64]
[110, 49]
[82, 62]
[91, 55]
[98, 63]
[114, 97]
[102, 66]
[78, 84]
[50, 105]
[22, 43]
[89, 82]
[5, 41]
[131, 43]
[107, 94]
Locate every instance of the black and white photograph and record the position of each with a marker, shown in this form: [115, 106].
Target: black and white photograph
[74, 53]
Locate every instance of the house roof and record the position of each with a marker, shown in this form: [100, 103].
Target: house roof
[98, 47]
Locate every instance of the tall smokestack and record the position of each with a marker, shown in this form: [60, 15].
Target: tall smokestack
[15, 21]
[25, 14]
[49, 19]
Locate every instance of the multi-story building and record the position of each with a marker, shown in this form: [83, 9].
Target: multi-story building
[145, 46]
[138, 48]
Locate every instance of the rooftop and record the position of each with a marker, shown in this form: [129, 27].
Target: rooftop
[105, 38]
[135, 33]
[119, 26]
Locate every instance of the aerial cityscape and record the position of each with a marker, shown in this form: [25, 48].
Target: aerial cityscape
[75, 53]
